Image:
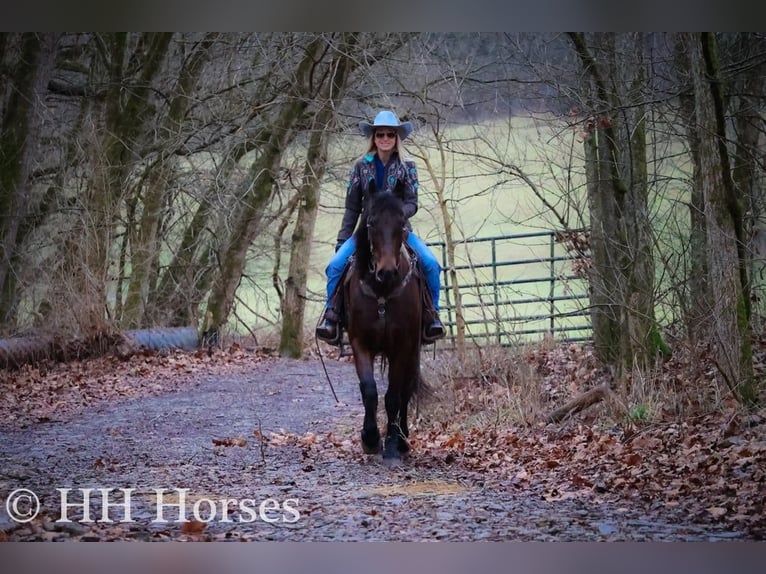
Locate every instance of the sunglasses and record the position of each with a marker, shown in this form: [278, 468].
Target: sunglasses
[389, 135]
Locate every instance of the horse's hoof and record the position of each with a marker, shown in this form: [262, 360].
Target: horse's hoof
[392, 461]
[371, 445]
[391, 452]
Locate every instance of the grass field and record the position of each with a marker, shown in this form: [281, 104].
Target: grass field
[501, 178]
[483, 200]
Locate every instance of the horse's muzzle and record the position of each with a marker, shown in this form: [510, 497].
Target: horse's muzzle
[387, 275]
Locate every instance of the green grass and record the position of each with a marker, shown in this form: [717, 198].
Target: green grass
[481, 201]
[640, 413]
[485, 198]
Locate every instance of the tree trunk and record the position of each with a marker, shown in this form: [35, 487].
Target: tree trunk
[145, 244]
[697, 303]
[622, 277]
[642, 341]
[723, 216]
[294, 303]
[247, 224]
[21, 123]
[748, 122]
[259, 188]
[603, 282]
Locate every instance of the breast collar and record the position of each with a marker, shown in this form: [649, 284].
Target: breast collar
[367, 290]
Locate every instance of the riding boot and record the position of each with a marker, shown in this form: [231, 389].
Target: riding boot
[328, 331]
[435, 330]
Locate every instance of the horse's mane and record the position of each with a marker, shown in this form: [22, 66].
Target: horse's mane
[377, 204]
[363, 254]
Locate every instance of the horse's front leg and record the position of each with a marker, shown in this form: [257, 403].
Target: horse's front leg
[397, 399]
[403, 376]
[404, 443]
[365, 371]
[394, 434]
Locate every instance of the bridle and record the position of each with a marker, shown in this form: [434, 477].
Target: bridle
[403, 252]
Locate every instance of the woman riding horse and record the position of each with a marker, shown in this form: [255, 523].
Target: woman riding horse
[383, 163]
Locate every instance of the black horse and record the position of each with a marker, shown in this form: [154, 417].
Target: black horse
[385, 306]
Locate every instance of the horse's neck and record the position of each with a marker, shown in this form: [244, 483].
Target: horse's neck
[406, 257]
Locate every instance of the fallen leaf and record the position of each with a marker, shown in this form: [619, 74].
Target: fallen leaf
[230, 441]
[633, 459]
[716, 511]
[193, 527]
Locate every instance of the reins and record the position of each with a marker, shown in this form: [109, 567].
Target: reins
[321, 358]
[326, 374]
[367, 290]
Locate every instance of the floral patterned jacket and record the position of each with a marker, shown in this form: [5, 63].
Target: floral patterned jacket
[362, 174]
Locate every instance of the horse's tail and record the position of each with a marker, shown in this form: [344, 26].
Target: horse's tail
[423, 393]
[423, 390]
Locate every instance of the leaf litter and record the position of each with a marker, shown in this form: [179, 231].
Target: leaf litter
[280, 434]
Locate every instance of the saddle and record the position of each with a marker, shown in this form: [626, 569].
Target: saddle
[338, 309]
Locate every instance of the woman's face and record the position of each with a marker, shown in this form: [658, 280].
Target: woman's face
[385, 139]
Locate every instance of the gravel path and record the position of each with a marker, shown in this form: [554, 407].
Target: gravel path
[307, 470]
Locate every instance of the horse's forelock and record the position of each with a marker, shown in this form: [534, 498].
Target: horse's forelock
[385, 203]
[377, 205]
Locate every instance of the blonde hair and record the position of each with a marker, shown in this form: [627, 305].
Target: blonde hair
[371, 147]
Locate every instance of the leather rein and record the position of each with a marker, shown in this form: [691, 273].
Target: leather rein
[367, 290]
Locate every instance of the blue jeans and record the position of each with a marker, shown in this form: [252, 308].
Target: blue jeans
[428, 262]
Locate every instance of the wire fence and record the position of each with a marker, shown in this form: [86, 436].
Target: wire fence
[516, 288]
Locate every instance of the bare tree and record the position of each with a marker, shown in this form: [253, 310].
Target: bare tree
[727, 267]
[279, 131]
[155, 194]
[339, 67]
[30, 60]
[622, 279]
[130, 65]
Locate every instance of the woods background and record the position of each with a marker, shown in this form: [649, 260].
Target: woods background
[145, 176]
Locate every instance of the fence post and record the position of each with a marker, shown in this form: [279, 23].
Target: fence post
[446, 283]
[553, 285]
[495, 291]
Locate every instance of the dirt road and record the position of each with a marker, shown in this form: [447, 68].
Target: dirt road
[265, 453]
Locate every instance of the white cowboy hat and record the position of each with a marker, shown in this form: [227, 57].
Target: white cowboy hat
[388, 119]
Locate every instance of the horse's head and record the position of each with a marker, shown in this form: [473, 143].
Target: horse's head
[386, 232]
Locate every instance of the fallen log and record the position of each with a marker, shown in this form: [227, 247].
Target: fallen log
[29, 350]
[24, 350]
[580, 402]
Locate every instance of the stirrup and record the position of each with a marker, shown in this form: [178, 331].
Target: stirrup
[434, 332]
[329, 332]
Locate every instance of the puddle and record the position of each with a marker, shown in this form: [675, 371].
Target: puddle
[412, 489]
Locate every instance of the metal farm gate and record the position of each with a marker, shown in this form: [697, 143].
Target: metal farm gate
[516, 288]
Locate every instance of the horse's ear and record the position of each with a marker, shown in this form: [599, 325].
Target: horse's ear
[399, 189]
[369, 197]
